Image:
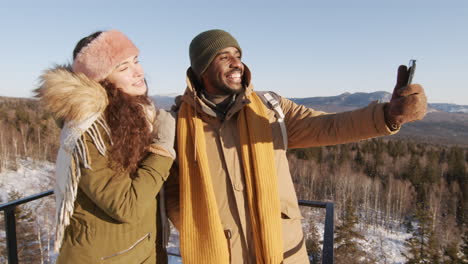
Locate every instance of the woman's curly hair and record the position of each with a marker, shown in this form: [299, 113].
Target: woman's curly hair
[129, 128]
[127, 120]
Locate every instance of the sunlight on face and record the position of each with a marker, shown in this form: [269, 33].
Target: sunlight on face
[224, 74]
[129, 76]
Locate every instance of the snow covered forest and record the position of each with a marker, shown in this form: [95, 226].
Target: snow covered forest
[396, 201]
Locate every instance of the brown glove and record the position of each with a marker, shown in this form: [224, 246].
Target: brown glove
[408, 103]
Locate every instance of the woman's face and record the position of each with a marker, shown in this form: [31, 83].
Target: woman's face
[129, 76]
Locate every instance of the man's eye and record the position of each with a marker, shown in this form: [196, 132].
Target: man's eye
[123, 69]
[223, 58]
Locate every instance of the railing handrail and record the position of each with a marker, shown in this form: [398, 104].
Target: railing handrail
[328, 232]
[10, 226]
[25, 200]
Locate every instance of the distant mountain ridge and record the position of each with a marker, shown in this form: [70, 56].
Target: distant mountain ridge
[349, 101]
[345, 99]
[443, 123]
[450, 108]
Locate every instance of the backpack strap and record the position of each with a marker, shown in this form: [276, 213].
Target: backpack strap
[272, 100]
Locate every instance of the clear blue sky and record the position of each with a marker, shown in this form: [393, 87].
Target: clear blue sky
[296, 48]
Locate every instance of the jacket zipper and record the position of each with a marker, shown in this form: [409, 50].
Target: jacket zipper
[130, 248]
[228, 235]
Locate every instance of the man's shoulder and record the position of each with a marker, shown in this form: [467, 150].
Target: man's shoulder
[269, 98]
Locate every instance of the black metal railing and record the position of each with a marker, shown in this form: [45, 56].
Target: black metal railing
[11, 243]
[10, 223]
[327, 250]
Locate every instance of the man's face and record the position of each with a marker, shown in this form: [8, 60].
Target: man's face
[224, 75]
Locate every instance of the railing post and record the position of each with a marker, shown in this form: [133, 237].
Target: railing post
[10, 230]
[327, 251]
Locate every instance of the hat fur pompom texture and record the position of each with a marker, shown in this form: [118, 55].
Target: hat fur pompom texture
[70, 96]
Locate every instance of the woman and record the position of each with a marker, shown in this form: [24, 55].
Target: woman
[113, 157]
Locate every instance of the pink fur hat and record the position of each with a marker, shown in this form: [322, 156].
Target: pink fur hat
[99, 58]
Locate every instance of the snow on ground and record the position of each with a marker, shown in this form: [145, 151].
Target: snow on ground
[387, 245]
[33, 177]
[30, 178]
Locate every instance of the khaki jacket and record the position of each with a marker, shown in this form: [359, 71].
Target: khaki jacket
[305, 128]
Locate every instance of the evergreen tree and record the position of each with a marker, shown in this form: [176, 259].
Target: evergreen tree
[3, 252]
[433, 248]
[422, 245]
[464, 247]
[456, 166]
[408, 224]
[347, 248]
[312, 244]
[432, 172]
[344, 154]
[451, 254]
[358, 161]
[396, 148]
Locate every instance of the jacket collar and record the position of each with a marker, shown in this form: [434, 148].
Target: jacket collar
[193, 98]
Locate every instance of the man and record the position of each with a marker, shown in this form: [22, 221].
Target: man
[233, 198]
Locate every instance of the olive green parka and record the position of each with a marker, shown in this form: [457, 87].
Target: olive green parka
[103, 215]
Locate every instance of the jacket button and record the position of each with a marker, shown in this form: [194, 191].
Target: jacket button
[238, 186]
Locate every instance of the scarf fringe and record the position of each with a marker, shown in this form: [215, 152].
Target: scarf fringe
[68, 173]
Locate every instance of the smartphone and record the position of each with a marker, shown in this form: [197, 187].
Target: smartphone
[411, 70]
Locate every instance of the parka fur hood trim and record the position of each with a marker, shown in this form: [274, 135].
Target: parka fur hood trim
[79, 102]
[71, 96]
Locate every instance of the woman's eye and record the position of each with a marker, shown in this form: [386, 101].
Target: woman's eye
[123, 69]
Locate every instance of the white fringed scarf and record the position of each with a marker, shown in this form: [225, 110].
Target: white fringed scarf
[73, 150]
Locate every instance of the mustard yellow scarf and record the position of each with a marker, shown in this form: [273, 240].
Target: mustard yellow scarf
[202, 238]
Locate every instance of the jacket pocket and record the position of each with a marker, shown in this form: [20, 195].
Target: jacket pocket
[135, 253]
[293, 237]
[290, 212]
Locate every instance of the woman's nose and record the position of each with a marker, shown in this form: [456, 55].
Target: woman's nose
[138, 70]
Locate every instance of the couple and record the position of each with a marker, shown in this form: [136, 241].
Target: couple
[229, 191]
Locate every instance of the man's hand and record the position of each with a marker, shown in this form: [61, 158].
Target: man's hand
[408, 103]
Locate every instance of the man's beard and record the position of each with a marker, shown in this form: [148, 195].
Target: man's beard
[226, 90]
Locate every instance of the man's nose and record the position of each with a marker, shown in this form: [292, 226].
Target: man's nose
[236, 62]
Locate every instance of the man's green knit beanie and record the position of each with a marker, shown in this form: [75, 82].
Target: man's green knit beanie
[206, 45]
